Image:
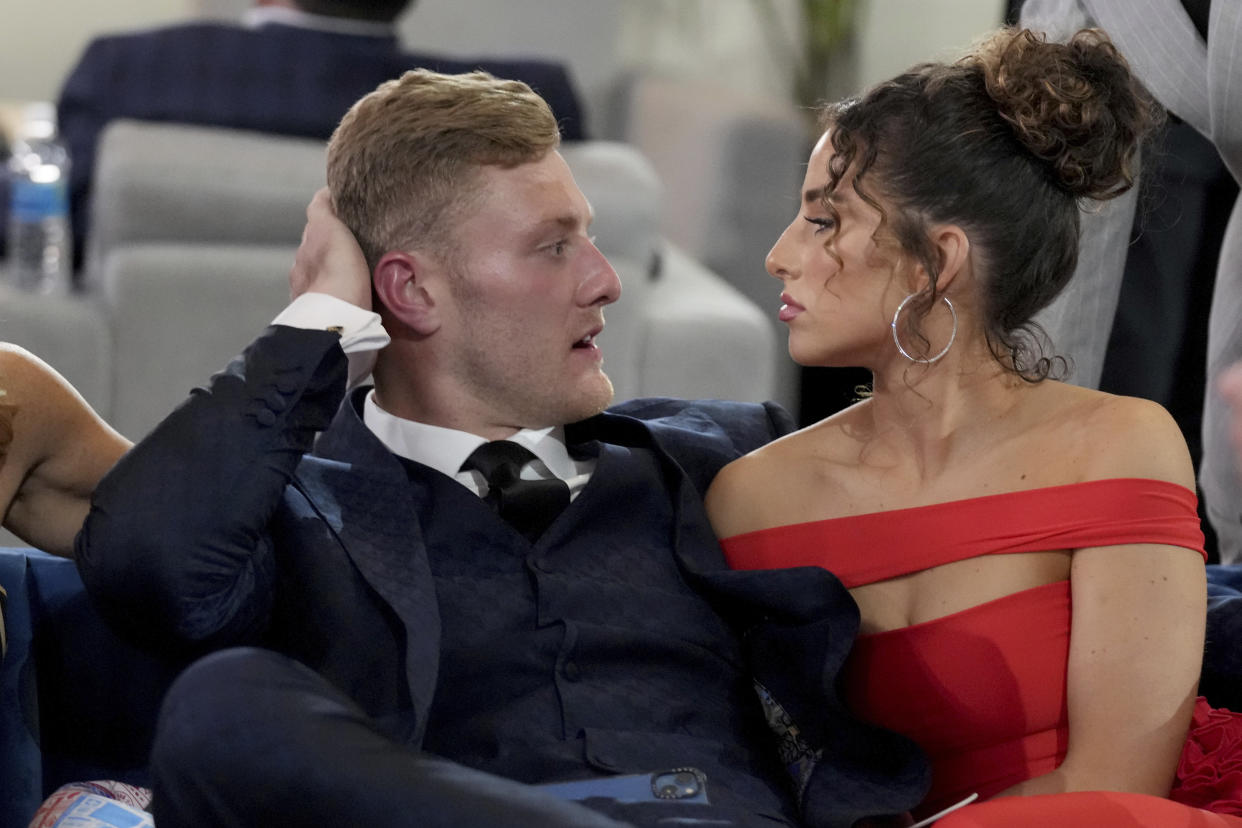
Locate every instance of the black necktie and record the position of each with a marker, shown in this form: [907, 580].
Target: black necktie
[528, 505]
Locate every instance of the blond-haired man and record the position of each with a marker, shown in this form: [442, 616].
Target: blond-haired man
[449, 638]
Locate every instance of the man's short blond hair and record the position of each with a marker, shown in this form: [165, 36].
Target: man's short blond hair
[403, 161]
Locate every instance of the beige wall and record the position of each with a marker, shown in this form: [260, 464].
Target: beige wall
[35, 52]
[692, 37]
[41, 39]
[894, 34]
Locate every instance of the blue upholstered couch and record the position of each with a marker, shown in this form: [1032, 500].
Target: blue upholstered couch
[76, 702]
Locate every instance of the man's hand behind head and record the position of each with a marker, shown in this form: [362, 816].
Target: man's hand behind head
[329, 259]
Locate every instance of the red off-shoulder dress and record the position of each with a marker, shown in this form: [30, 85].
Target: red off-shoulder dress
[983, 691]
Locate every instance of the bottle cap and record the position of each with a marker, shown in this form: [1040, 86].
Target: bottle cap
[38, 120]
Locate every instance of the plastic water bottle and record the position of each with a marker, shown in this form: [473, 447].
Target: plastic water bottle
[39, 241]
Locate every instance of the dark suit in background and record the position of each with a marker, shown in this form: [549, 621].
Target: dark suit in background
[1158, 345]
[288, 80]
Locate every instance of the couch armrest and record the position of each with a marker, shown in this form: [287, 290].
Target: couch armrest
[248, 188]
[179, 312]
[625, 193]
[731, 163]
[703, 338]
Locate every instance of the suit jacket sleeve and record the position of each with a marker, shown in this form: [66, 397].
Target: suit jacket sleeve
[704, 435]
[176, 547]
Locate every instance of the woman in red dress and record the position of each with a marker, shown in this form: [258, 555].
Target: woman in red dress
[973, 503]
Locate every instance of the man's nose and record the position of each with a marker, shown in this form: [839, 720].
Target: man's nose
[602, 285]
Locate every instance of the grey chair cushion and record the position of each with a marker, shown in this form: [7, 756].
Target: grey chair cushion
[179, 313]
[179, 183]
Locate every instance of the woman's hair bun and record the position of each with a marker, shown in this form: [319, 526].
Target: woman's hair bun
[1075, 105]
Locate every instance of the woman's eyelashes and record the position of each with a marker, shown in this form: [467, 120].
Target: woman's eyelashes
[821, 223]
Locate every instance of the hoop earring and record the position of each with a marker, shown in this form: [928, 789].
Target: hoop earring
[897, 341]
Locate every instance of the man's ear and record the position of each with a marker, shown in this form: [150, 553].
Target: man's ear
[404, 284]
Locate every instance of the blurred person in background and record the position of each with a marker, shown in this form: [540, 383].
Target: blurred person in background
[1151, 297]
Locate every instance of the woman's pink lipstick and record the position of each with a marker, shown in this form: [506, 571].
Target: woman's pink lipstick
[789, 308]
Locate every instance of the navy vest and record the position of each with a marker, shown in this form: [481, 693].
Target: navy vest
[586, 653]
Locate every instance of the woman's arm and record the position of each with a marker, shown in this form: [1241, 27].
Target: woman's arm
[1136, 643]
[57, 450]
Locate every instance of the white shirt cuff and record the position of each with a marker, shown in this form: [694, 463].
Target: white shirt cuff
[362, 334]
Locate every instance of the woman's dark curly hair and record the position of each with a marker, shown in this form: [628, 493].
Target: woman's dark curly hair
[1004, 143]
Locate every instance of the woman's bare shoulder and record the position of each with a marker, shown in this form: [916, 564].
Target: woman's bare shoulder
[27, 377]
[47, 410]
[36, 391]
[734, 498]
[1120, 436]
[764, 487]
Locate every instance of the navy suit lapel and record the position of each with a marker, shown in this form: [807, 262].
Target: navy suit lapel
[365, 495]
[694, 543]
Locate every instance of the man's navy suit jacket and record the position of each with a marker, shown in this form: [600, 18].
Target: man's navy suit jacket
[287, 80]
[218, 530]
